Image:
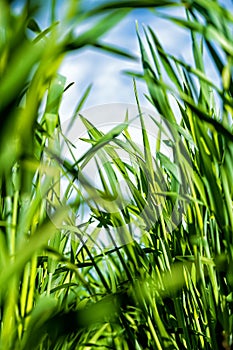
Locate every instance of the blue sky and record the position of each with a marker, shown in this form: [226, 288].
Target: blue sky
[106, 72]
[110, 84]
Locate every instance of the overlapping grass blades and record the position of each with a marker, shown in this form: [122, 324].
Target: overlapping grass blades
[169, 287]
[210, 126]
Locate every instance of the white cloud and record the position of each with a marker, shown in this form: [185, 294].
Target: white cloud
[105, 70]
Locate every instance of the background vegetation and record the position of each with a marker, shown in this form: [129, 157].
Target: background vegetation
[172, 289]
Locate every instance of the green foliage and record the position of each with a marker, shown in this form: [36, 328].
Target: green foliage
[172, 287]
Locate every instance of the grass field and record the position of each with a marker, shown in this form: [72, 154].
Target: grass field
[172, 287]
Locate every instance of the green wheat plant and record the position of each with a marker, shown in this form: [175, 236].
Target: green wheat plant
[170, 287]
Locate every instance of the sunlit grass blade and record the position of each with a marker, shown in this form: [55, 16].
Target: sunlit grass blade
[90, 36]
